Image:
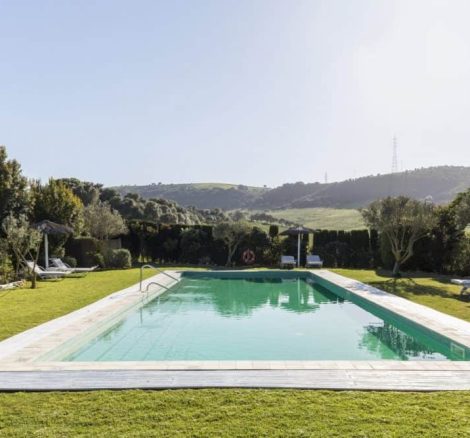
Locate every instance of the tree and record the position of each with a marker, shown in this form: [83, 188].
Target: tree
[88, 192]
[273, 231]
[56, 202]
[102, 222]
[232, 234]
[192, 244]
[238, 215]
[461, 209]
[402, 222]
[23, 241]
[13, 187]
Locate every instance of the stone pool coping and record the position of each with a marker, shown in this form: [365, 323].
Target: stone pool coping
[27, 360]
[453, 328]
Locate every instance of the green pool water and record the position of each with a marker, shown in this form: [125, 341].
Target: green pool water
[260, 317]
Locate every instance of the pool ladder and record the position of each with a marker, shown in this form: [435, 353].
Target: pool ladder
[153, 282]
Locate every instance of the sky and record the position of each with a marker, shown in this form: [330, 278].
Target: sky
[256, 92]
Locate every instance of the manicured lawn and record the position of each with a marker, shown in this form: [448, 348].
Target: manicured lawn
[223, 412]
[26, 308]
[431, 290]
[235, 413]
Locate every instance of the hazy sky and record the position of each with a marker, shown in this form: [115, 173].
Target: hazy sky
[245, 91]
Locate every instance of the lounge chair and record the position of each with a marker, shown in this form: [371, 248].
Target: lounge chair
[287, 262]
[314, 261]
[58, 265]
[43, 274]
[464, 283]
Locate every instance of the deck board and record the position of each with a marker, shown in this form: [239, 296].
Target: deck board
[397, 380]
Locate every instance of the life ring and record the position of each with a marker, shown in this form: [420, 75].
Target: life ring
[248, 256]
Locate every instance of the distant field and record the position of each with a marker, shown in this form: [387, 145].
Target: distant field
[225, 186]
[324, 218]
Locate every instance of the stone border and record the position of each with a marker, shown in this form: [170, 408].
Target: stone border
[43, 341]
[30, 355]
[454, 329]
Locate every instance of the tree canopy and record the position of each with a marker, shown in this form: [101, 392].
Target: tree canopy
[403, 221]
[102, 222]
[56, 202]
[13, 187]
[232, 234]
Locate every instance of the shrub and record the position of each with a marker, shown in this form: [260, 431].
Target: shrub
[460, 262]
[98, 259]
[71, 261]
[7, 271]
[83, 249]
[273, 231]
[120, 258]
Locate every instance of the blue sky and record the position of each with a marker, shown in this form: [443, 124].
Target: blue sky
[244, 91]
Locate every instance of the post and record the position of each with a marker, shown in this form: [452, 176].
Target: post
[46, 251]
[298, 250]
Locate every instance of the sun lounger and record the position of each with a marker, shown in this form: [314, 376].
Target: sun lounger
[12, 285]
[464, 283]
[314, 261]
[42, 273]
[287, 262]
[58, 265]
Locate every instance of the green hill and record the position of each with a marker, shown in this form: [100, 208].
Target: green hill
[322, 218]
[200, 195]
[439, 183]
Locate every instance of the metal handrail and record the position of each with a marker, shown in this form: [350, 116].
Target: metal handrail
[158, 284]
[157, 269]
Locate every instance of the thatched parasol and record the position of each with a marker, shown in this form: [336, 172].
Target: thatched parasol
[48, 227]
[297, 231]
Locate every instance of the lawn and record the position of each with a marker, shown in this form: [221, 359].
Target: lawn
[26, 308]
[434, 291]
[224, 412]
[235, 413]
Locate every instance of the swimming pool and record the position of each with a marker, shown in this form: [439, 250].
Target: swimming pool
[262, 316]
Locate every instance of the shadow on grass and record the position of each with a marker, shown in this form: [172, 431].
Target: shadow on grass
[407, 285]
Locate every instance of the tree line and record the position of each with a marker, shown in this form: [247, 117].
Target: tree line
[404, 233]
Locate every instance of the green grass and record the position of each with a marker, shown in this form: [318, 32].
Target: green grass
[321, 218]
[25, 308]
[223, 412]
[235, 413]
[434, 291]
[224, 186]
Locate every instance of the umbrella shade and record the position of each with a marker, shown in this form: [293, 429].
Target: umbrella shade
[297, 231]
[49, 227]
[294, 231]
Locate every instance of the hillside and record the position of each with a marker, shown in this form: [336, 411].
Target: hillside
[322, 218]
[200, 195]
[441, 183]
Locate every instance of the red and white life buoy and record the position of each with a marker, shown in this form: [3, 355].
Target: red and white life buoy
[248, 256]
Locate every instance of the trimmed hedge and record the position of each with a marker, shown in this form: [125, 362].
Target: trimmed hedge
[347, 249]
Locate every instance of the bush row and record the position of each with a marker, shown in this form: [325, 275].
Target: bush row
[186, 244]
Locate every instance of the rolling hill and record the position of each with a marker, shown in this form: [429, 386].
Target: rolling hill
[440, 183]
[200, 195]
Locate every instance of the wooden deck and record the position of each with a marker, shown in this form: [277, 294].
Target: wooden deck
[396, 380]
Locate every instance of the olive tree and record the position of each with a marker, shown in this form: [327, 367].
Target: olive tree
[23, 241]
[102, 222]
[402, 222]
[232, 234]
